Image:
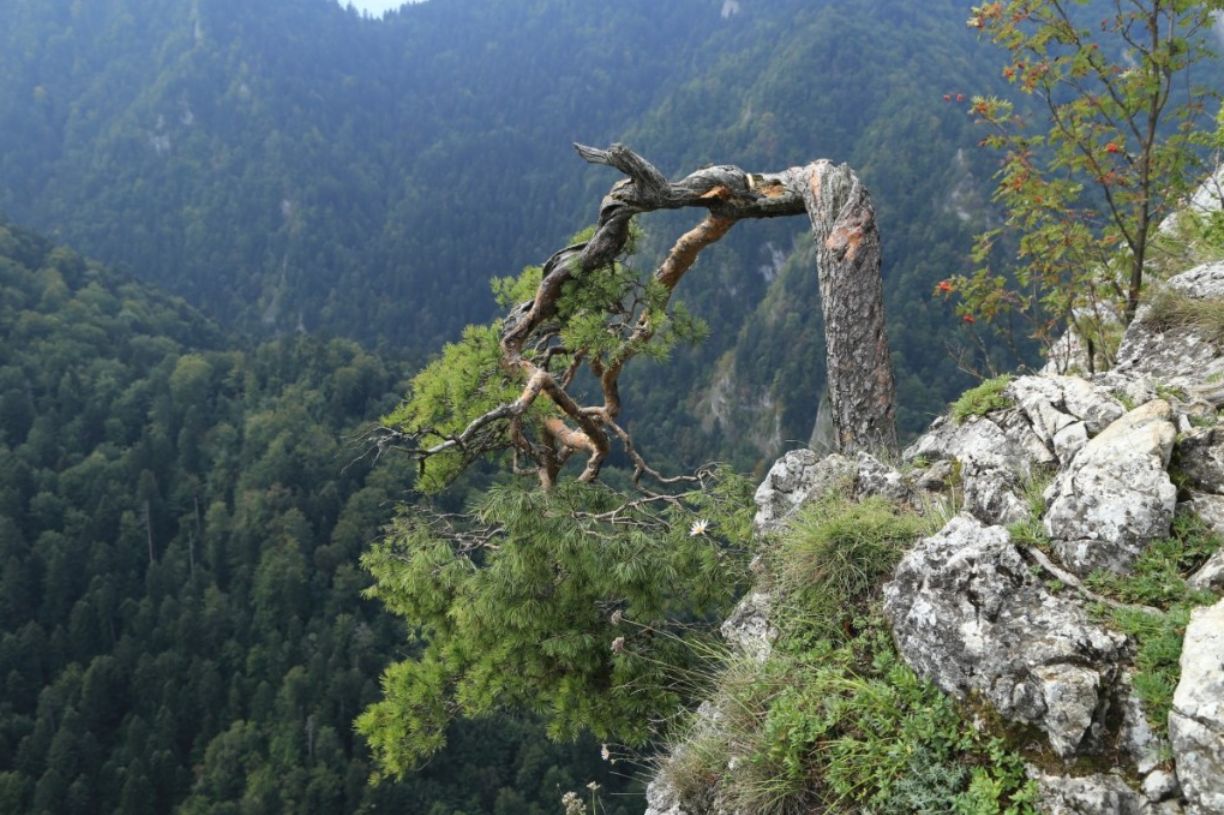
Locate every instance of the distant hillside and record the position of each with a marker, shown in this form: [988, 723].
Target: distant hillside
[289, 165]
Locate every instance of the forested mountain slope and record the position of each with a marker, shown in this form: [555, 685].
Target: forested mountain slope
[291, 165]
[180, 611]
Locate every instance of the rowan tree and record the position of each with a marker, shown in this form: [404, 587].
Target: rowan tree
[1115, 147]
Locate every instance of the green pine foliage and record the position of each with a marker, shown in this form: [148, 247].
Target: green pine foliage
[596, 317]
[463, 382]
[565, 603]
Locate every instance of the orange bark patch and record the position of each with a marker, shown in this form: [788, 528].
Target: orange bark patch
[720, 193]
[573, 439]
[690, 244]
[773, 189]
[814, 179]
[845, 240]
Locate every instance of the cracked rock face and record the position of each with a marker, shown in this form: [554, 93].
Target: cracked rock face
[1146, 747]
[1053, 419]
[1210, 576]
[967, 614]
[793, 479]
[1200, 457]
[748, 628]
[802, 475]
[1054, 403]
[996, 454]
[1115, 496]
[1094, 795]
[1177, 357]
[1196, 723]
[662, 798]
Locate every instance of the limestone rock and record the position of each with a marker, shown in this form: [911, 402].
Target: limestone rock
[1210, 576]
[933, 478]
[1099, 794]
[748, 628]
[1053, 403]
[802, 475]
[662, 798]
[996, 455]
[1196, 723]
[793, 479]
[1176, 357]
[874, 477]
[1208, 198]
[1200, 457]
[1115, 496]
[967, 614]
[1052, 420]
[1146, 748]
[978, 443]
[1160, 786]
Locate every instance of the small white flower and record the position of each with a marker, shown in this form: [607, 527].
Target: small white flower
[573, 804]
[699, 527]
[593, 787]
[618, 645]
[604, 752]
[617, 616]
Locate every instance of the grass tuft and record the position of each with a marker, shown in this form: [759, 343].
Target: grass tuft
[832, 557]
[982, 399]
[834, 721]
[1171, 309]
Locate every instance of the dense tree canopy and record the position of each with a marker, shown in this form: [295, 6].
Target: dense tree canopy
[180, 610]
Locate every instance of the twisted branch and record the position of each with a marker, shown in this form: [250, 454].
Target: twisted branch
[843, 221]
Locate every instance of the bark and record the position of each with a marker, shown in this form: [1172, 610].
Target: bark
[860, 382]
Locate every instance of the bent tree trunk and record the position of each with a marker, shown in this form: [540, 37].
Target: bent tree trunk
[860, 383]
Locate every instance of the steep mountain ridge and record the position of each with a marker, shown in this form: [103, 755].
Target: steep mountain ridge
[382, 171]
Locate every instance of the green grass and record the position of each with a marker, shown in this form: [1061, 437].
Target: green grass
[832, 557]
[982, 399]
[834, 721]
[1159, 580]
[845, 728]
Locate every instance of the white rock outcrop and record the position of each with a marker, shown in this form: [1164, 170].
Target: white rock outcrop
[1115, 496]
[802, 475]
[1095, 794]
[798, 476]
[1196, 724]
[968, 614]
[1176, 357]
